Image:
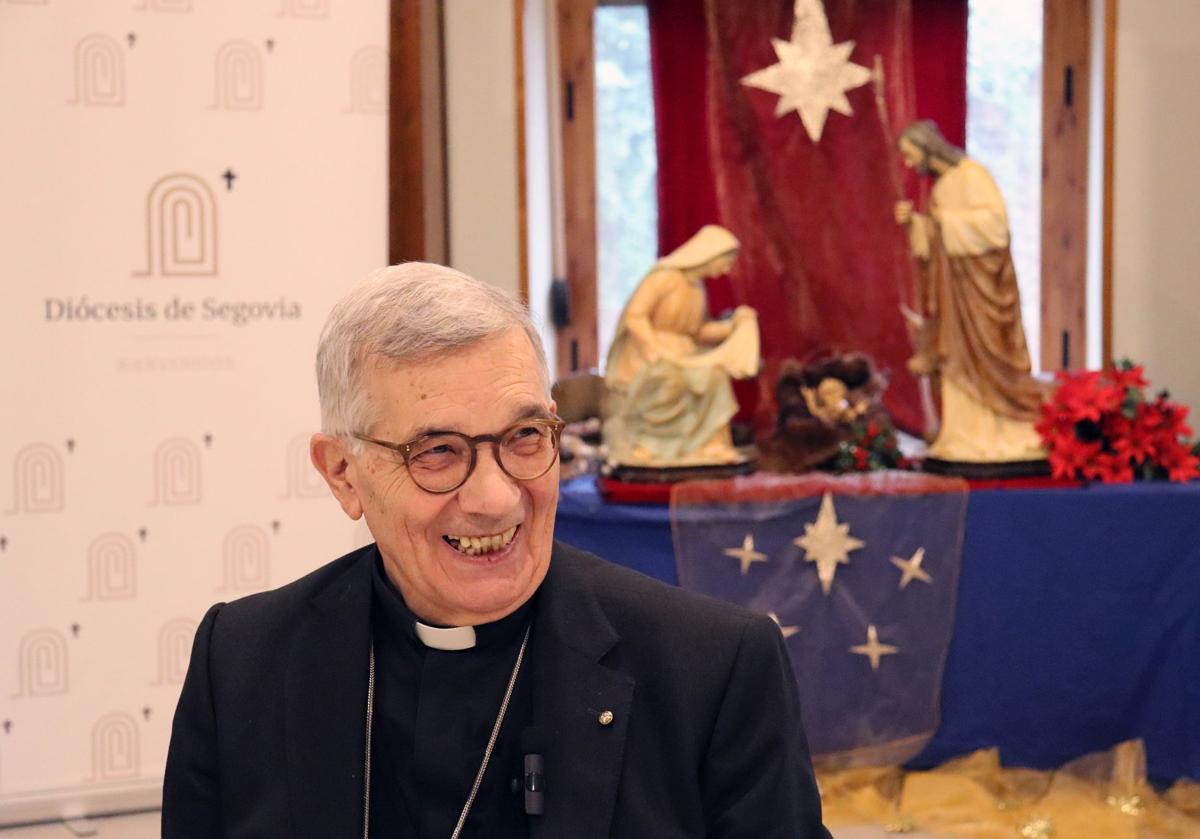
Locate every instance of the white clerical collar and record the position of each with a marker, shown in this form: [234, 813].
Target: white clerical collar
[451, 638]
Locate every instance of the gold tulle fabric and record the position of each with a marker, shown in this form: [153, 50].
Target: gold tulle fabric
[1099, 796]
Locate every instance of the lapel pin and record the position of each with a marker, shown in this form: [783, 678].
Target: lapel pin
[605, 718]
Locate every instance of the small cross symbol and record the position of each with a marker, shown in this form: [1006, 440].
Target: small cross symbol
[71, 445]
[275, 525]
[270, 44]
[7, 726]
[146, 713]
[143, 533]
[208, 438]
[132, 38]
[230, 176]
[75, 629]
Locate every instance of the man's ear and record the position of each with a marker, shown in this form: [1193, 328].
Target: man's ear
[331, 458]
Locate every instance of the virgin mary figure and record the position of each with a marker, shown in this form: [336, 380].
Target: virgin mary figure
[669, 398]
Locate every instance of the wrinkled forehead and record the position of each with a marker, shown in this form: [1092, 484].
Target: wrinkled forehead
[493, 381]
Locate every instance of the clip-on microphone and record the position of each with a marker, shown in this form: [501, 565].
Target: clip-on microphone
[533, 771]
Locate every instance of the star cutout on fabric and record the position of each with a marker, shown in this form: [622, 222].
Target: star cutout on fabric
[746, 554]
[788, 631]
[813, 73]
[873, 649]
[827, 543]
[911, 568]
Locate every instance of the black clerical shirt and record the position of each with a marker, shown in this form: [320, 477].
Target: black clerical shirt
[434, 712]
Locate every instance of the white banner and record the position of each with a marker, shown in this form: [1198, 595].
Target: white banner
[188, 185]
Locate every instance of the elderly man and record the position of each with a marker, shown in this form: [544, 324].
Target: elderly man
[465, 675]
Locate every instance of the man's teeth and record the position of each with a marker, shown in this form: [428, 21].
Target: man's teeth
[475, 545]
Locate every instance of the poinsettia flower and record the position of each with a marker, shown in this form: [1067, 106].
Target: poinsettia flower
[1173, 419]
[1138, 445]
[1128, 376]
[1100, 424]
[1109, 468]
[1069, 456]
[1179, 461]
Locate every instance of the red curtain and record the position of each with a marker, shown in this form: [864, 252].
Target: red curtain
[822, 259]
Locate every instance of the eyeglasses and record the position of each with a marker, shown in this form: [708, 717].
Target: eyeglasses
[442, 462]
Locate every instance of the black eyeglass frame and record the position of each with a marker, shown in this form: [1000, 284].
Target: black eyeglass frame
[405, 449]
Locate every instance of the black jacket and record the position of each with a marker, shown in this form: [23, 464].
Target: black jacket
[705, 739]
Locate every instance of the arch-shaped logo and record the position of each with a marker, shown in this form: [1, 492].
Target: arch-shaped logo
[37, 479]
[181, 228]
[246, 554]
[304, 8]
[112, 568]
[239, 77]
[115, 748]
[369, 81]
[99, 72]
[174, 649]
[42, 663]
[303, 481]
[165, 6]
[177, 472]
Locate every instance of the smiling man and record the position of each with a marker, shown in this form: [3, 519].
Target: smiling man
[465, 675]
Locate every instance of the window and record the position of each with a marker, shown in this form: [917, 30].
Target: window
[1004, 131]
[626, 161]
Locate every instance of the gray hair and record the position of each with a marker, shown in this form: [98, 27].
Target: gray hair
[925, 135]
[402, 313]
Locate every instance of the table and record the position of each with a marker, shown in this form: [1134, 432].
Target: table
[1078, 621]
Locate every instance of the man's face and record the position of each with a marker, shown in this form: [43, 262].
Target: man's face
[480, 389]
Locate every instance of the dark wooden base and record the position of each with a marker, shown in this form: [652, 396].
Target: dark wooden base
[987, 471]
[675, 474]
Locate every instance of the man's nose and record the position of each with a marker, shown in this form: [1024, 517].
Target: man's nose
[488, 491]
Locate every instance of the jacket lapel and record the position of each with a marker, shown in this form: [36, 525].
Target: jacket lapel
[325, 707]
[571, 692]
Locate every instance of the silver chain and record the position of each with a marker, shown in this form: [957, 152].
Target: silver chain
[367, 769]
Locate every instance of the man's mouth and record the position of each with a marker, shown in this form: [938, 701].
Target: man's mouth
[477, 545]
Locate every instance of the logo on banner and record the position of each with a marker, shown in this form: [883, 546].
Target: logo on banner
[369, 81]
[181, 228]
[42, 664]
[99, 72]
[174, 650]
[112, 568]
[304, 8]
[303, 481]
[115, 752]
[176, 472]
[37, 480]
[246, 559]
[239, 77]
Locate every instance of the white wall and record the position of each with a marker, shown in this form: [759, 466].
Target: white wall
[1156, 246]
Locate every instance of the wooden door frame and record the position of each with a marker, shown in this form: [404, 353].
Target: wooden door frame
[418, 221]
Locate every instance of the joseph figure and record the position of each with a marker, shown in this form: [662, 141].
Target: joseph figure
[970, 332]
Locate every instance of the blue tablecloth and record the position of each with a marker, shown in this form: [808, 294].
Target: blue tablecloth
[1078, 619]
